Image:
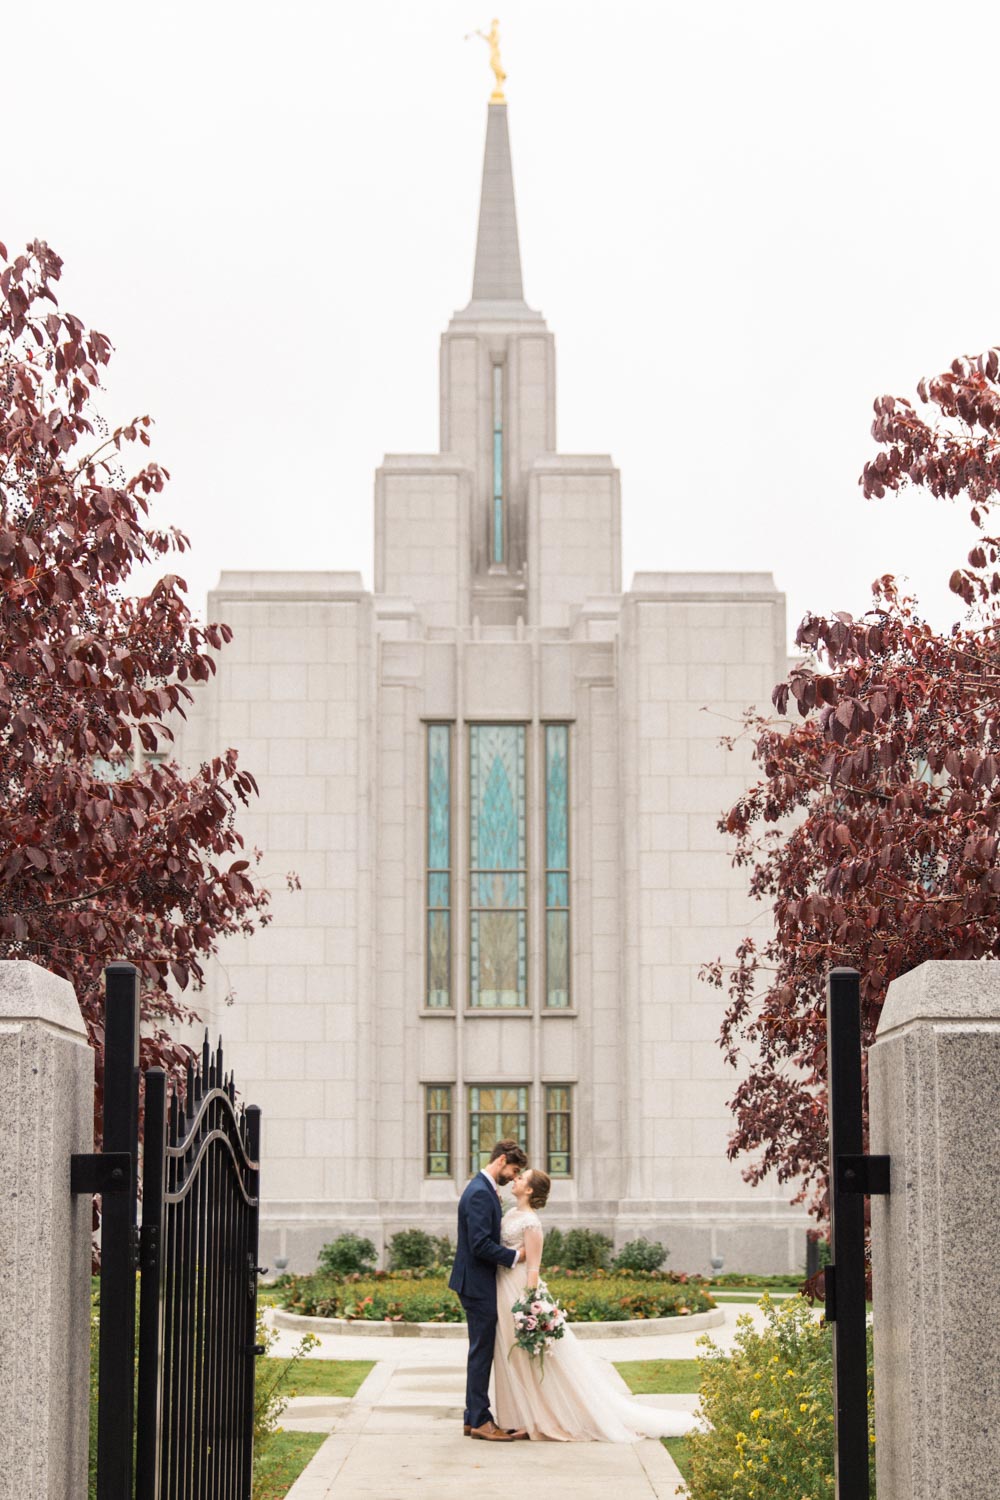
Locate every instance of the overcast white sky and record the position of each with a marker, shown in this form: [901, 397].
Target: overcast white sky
[741, 221]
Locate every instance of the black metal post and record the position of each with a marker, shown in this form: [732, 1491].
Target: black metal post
[846, 1306]
[116, 1360]
[149, 1395]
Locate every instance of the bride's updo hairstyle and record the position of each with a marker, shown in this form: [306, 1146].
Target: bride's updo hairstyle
[541, 1186]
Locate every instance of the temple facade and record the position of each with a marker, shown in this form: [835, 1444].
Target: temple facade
[497, 776]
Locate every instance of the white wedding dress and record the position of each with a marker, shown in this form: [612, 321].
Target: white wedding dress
[577, 1401]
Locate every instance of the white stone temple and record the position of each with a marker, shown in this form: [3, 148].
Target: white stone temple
[496, 778]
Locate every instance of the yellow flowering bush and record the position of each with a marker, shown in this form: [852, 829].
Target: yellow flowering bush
[770, 1406]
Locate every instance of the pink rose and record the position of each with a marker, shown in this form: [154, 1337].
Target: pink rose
[530, 1323]
[536, 1307]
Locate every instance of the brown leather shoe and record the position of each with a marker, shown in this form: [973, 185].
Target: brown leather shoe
[466, 1430]
[491, 1433]
[518, 1434]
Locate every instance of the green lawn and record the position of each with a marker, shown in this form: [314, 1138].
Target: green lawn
[664, 1377]
[660, 1377]
[678, 1450]
[752, 1295]
[322, 1377]
[737, 1281]
[283, 1460]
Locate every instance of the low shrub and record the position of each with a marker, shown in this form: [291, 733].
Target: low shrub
[640, 1255]
[770, 1406]
[413, 1249]
[583, 1250]
[346, 1254]
[555, 1247]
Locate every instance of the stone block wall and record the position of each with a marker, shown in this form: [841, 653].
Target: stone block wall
[46, 1115]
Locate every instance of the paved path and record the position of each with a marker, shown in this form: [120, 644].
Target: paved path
[400, 1437]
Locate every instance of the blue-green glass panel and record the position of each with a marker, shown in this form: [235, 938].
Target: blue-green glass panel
[557, 890]
[498, 839]
[556, 797]
[500, 892]
[498, 537]
[558, 1131]
[439, 960]
[438, 796]
[438, 1132]
[497, 784]
[498, 952]
[557, 959]
[438, 889]
[495, 1114]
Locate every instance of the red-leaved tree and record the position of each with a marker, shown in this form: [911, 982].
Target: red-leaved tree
[100, 858]
[873, 832]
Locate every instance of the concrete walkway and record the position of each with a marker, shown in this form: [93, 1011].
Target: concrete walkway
[400, 1437]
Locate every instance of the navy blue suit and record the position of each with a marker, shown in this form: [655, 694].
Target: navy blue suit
[474, 1277]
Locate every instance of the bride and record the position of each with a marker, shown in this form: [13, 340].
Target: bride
[577, 1401]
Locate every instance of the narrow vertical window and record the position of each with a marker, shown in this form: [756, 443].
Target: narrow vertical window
[496, 1113]
[558, 1130]
[498, 537]
[438, 1110]
[439, 866]
[497, 867]
[557, 866]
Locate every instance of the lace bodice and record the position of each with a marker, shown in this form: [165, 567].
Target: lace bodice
[514, 1223]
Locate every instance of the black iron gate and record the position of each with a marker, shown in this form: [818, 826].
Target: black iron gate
[187, 1414]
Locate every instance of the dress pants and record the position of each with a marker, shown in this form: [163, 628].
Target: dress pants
[481, 1315]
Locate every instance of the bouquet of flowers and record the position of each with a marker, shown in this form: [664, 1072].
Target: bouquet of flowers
[538, 1322]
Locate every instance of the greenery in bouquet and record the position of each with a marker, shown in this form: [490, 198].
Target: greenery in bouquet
[538, 1322]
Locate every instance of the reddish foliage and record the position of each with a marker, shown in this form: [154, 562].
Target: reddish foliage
[873, 833]
[98, 860]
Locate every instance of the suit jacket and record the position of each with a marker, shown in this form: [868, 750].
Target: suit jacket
[479, 1251]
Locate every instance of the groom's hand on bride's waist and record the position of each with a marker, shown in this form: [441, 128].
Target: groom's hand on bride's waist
[520, 1253]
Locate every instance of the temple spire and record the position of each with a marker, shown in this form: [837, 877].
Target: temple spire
[497, 276]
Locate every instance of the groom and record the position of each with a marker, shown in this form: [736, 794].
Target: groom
[474, 1277]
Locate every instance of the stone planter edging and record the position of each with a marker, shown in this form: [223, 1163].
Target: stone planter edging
[631, 1328]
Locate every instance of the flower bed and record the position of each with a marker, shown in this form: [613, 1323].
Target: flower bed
[423, 1296]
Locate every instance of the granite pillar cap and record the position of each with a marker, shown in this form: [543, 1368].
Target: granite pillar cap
[30, 993]
[943, 990]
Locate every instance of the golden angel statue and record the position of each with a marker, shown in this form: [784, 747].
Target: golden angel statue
[493, 38]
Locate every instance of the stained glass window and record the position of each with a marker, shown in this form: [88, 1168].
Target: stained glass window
[496, 1112]
[497, 867]
[558, 1130]
[557, 993]
[438, 1108]
[498, 538]
[439, 866]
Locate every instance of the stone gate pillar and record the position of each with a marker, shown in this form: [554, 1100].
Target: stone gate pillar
[934, 1080]
[46, 1114]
